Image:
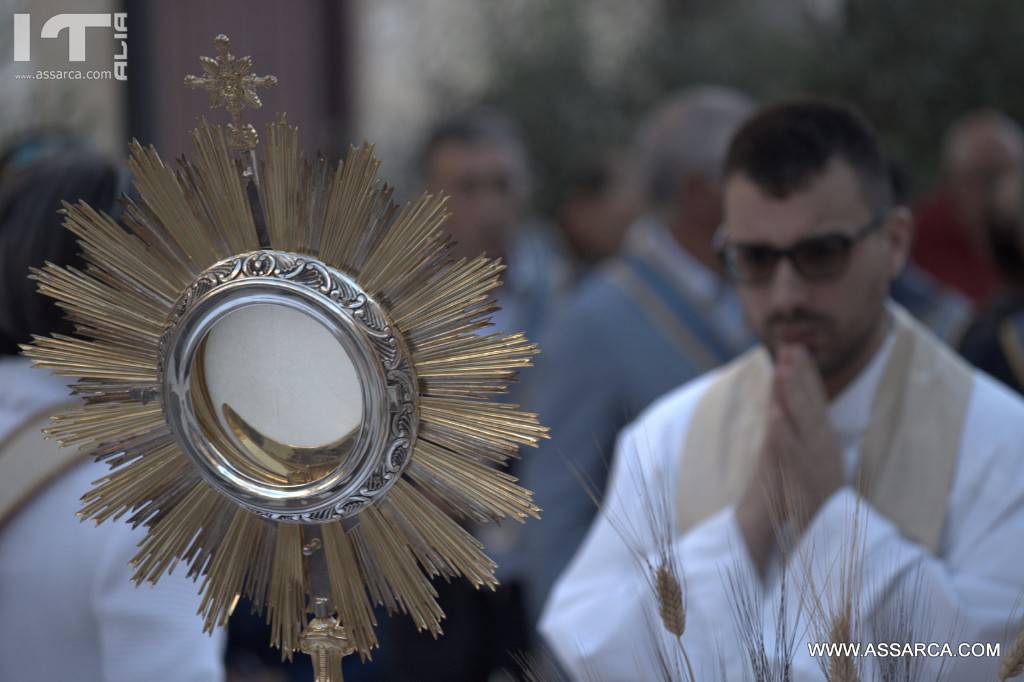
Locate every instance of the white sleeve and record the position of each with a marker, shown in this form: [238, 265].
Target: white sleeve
[602, 614]
[968, 595]
[150, 633]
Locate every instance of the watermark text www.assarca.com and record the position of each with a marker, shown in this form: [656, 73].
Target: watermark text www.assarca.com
[904, 649]
[77, 28]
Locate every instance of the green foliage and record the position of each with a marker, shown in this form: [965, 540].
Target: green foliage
[911, 65]
[914, 65]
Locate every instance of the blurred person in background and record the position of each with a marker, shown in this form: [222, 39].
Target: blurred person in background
[952, 241]
[68, 607]
[656, 316]
[480, 161]
[27, 146]
[939, 307]
[596, 206]
[995, 340]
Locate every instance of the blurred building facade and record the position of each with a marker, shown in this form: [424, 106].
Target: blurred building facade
[93, 109]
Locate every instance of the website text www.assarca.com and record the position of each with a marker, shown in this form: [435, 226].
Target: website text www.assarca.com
[904, 649]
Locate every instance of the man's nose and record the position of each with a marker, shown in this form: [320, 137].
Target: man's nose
[788, 289]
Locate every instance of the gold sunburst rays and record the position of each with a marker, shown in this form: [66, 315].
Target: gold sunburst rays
[187, 219]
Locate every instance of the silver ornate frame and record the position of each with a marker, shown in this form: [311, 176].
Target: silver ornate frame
[357, 321]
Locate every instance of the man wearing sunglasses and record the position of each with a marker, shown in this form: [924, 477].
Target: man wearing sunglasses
[849, 479]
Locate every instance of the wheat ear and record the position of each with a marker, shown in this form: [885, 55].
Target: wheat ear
[840, 666]
[670, 606]
[1012, 664]
[670, 601]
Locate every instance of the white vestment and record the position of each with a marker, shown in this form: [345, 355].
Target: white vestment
[68, 608]
[602, 614]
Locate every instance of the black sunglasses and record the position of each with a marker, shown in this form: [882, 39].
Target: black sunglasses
[816, 259]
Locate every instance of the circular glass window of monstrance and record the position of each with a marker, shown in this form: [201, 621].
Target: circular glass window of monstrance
[274, 388]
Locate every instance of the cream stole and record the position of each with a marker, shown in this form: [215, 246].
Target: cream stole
[29, 462]
[907, 456]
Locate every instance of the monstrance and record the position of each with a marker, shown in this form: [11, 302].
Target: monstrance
[290, 380]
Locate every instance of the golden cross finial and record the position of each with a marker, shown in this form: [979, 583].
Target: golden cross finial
[231, 85]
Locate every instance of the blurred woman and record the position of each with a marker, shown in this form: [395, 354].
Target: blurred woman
[68, 608]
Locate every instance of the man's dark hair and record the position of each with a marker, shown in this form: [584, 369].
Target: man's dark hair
[785, 146]
[31, 234]
[471, 127]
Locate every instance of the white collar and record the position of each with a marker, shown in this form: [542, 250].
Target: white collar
[850, 411]
[25, 391]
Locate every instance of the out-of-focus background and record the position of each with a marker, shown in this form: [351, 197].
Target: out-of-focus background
[575, 74]
[561, 91]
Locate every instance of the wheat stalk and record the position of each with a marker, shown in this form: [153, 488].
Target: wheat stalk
[538, 667]
[654, 530]
[1012, 664]
[669, 591]
[840, 666]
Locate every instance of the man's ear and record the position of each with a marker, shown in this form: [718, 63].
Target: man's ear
[899, 230]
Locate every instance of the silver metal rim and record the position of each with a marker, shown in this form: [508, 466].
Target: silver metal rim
[360, 325]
